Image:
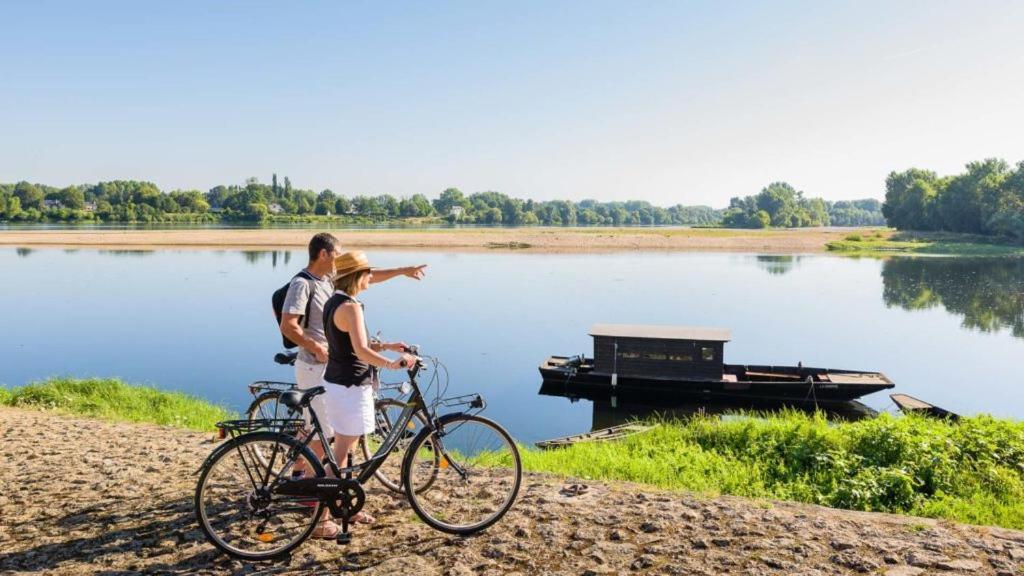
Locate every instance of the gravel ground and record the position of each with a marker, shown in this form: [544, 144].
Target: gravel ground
[82, 496]
[521, 239]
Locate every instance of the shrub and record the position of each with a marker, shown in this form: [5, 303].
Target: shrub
[971, 471]
[114, 400]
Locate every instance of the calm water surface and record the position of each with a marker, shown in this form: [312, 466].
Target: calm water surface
[948, 330]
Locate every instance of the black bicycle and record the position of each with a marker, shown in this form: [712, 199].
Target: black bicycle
[461, 473]
[266, 405]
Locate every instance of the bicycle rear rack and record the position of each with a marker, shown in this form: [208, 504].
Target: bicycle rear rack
[264, 385]
[475, 402]
[235, 428]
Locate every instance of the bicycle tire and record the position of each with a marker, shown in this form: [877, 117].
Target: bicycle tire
[234, 446]
[487, 478]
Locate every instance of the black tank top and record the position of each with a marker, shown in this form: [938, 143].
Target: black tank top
[343, 366]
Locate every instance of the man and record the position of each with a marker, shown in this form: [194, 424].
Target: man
[309, 333]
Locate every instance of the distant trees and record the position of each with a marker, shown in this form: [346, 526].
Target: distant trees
[29, 195]
[988, 198]
[778, 204]
[866, 212]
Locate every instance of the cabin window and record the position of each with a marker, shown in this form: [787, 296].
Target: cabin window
[681, 357]
[708, 354]
[656, 357]
[629, 355]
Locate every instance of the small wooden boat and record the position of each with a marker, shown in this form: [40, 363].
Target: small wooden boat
[910, 405]
[605, 434]
[682, 363]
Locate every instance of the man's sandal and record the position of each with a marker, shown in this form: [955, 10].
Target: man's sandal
[326, 529]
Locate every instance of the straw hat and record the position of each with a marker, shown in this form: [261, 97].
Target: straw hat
[350, 262]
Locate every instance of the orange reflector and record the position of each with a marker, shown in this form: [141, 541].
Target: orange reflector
[410, 426]
[444, 463]
[221, 433]
[265, 537]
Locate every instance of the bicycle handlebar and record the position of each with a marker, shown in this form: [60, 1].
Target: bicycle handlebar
[286, 358]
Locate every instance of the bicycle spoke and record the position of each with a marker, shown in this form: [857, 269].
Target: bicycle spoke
[248, 519]
[475, 480]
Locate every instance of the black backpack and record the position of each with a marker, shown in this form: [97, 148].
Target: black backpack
[277, 300]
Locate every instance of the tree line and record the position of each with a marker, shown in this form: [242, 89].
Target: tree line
[136, 201]
[782, 206]
[987, 198]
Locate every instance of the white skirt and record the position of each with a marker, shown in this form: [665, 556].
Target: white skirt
[348, 410]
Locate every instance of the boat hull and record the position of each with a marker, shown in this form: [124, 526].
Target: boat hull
[564, 377]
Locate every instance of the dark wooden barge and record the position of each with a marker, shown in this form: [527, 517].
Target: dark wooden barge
[685, 363]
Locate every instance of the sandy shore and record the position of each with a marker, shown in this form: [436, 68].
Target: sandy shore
[528, 239]
[83, 496]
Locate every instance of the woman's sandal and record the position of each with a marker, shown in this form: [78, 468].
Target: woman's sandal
[326, 530]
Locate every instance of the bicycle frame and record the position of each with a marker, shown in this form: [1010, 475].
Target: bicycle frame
[367, 468]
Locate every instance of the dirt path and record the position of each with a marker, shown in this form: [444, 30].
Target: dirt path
[528, 239]
[82, 496]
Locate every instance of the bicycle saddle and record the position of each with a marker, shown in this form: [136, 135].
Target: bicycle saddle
[296, 398]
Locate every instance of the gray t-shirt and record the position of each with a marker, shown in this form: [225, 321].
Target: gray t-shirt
[295, 303]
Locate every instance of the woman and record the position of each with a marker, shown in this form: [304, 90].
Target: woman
[352, 363]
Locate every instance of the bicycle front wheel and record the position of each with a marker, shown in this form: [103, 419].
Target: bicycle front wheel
[267, 406]
[236, 504]
[475, 481]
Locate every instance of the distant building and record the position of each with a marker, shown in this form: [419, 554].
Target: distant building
[456, 211]
[89, 207]
[275, 208]
[50, 204]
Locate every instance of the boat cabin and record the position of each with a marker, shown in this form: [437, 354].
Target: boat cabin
[659, 351]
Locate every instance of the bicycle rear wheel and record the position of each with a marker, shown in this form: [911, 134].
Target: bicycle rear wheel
[268, 406]
[235, 500]
[475, 481]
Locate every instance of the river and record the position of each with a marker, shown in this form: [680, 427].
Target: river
[949, 330]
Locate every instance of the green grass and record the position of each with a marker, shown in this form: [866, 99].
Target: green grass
[112, 399]
[936, 243]
[971, 472]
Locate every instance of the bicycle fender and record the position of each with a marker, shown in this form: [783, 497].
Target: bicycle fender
[230, 444]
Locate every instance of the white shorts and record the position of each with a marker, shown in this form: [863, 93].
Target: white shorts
[310, 376]
[348, 409]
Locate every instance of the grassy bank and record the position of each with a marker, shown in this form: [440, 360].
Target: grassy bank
[112, 399]
[886, 241]
[971, 472]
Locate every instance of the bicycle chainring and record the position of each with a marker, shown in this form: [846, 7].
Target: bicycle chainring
[351, 498]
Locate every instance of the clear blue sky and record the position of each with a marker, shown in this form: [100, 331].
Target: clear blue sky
[674, 102]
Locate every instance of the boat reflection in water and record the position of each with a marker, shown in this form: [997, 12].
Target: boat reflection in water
[628, 407]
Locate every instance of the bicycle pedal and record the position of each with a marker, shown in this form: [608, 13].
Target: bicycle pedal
[343, 538]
